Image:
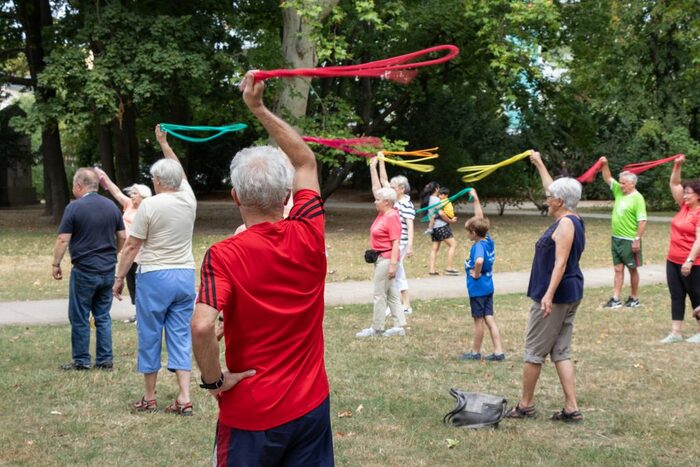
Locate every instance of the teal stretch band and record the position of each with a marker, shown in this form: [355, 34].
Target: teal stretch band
[220, 130]
[459, 194]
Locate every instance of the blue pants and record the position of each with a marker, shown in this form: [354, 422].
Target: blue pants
[90, 293]
[305, 442]
[165, 301]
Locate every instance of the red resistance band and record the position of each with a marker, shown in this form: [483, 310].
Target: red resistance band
[348, 145]
[396, 69]
[640, 167]
[589, 175]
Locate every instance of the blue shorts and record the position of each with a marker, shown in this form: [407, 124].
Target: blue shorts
[305, 441]
[481, 306]
[165, 300]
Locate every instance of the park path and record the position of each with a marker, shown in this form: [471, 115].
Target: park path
[357, 292]
[337, 293]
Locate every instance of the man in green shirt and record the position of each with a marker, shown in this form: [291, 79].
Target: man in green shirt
[629, 219]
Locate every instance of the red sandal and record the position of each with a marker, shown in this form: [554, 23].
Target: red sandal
[144, 406]
[180, 409]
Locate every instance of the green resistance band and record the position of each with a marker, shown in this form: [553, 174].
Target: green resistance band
[220, 130]
[459, 194]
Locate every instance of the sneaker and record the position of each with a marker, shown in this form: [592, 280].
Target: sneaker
[369, 332]
[106, 366]
[470, 356]
[451, 272]
[613, 303]
[395, 331]
[131, 320]
[428, 232]
[407, 311]
[694, 339]
[671, 338]
[495, 357]
[387, 312]
[632, 302]
[75, 366]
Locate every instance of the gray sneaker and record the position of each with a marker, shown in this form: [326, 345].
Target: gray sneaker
[470, 356]
[671, 338]
[369, 332]
[694, 339]
[495, 357]
[613, 303]
[632, 302]
[395, 331]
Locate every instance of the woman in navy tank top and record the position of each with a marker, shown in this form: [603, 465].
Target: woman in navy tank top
[556, 290]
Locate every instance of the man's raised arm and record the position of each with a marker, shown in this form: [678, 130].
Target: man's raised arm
[289, 141]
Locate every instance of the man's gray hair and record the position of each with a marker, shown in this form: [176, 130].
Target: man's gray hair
[139, 189]
[632, 177]
[568, 190]
[169, 173]
[87, 178]
[386, 194]
[262, 177]
[401, 181]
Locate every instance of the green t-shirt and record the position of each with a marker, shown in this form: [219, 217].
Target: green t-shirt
[627, 212]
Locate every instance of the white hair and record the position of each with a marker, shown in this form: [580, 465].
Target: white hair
[386, 194]
[262, 177]
[401, 181]
[169, 173]
[139, 189]
[632, 177]
[568, 190]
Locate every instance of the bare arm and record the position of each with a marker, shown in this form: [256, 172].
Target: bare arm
[121, 239]
[394, 261]
[478, 264]
[129, 252]
[168, 153]
[59, 250]
[383, 178]
[675, 182]
[478, 212]
[376, 184]
[290, 142]
[113, 189]
[563, 238]
[536, 160]
[410, 231]
[694, 252]
[605, 169]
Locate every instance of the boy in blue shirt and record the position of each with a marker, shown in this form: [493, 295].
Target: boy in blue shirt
[479, 268]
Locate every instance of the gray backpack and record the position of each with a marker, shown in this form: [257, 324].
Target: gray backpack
[476, 410]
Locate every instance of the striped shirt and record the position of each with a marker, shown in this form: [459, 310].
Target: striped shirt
[406, 212]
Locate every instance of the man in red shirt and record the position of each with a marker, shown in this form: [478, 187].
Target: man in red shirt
[268, 282]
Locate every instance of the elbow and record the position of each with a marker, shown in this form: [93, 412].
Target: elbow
[200, 328]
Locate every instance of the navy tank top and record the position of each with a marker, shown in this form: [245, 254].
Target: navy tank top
[570, 288]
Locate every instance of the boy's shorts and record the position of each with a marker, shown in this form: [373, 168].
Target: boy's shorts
[622, 253]
[481, 306]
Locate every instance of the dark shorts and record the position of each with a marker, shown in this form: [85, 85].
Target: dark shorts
[481, 306]
[306, 441]
[622, 253]
[441, 233]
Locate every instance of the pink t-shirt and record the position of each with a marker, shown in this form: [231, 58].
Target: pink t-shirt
[385, 229]
[128, 216]
[683, 228]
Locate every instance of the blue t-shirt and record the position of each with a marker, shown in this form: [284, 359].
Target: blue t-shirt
[92, 221]
[482, 286]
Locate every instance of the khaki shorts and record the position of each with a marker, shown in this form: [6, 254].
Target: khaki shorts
[622, 253]
[550, 336]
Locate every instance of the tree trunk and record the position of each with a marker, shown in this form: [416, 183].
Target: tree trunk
[127, 158]
[34, 16]
[104, 138]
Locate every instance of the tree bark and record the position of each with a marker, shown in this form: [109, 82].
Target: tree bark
[104, 138]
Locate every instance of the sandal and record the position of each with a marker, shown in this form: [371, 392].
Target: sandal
[518, 412]
[144, 406]
[434, 273]
[180, 409]
[568, 417]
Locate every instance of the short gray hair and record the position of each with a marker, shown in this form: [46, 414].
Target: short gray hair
[401, 181]
[568, 190]
[262, 177]
[169, 173]
[87, 178]
[386, 194]
[632, 177]
[139, 189]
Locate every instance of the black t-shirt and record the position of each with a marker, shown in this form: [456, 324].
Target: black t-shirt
[92, 221]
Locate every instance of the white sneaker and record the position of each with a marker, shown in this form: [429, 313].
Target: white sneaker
[395, 331]
[369, 332]
[671, 338]
[407, 311]
[388, 311]
[694, 339]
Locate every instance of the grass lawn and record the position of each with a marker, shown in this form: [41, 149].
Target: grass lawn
[638, 397]
[26, 249]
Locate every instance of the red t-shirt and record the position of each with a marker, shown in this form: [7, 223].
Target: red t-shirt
[683, 228]
[269, 281]
[385, 229]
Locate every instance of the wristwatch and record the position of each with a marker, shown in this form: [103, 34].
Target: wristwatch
[689, 260]
[215, 385]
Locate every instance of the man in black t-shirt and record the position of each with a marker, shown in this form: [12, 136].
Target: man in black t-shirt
[93, 230]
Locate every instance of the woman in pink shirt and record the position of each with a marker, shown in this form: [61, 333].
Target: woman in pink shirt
[384, 237]
[683, 261]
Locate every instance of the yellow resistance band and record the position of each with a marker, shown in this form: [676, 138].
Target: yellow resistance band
[423, 154]
[477, 172]
[416, 153]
